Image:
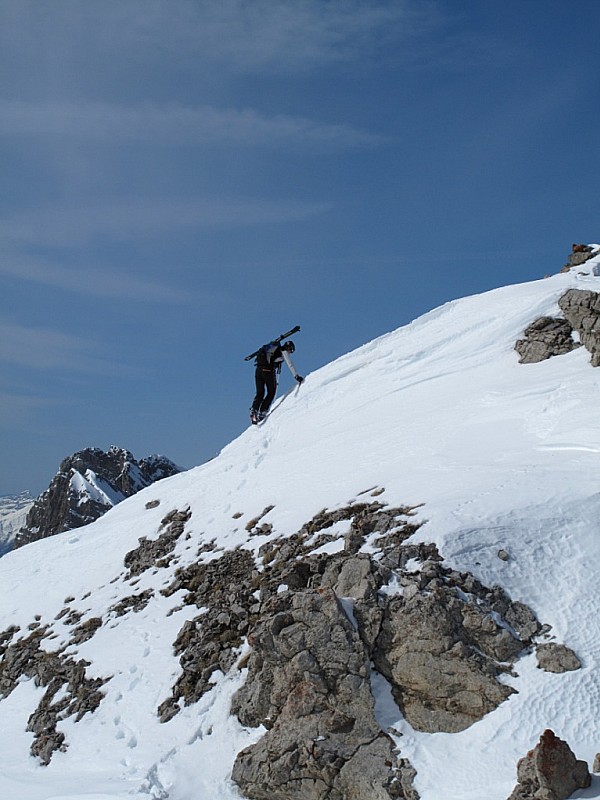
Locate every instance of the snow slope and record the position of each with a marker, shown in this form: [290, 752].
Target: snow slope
[438, 412]
[13, 513]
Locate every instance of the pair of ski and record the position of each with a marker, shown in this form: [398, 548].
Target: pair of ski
[275, 341]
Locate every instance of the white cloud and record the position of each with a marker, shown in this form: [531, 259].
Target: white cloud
[239, 34]
[173, 124]
[16, 408]
[47, 349]
[95, 281]
[132, 218]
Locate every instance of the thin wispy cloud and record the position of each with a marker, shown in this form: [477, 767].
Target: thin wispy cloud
[239, 34]
[68, 226]
[16, 408]
[173, 124]
[95, 281]
[49, 349]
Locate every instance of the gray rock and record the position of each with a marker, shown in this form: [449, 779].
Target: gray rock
[522, 619]
[356, 577]
[580, 253]
[439, 654]
[554, 657]
[545, 337]
[582, 310]
[308, 681]
[157, 552]
[550, 771]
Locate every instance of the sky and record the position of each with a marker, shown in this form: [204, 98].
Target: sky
[186, 179]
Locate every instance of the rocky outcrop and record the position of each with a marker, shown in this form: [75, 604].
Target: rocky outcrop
[554, 336]
[550, 771]
[582, 311]
[157, 552]
[70, 692]
[545, 337]
[309, 682]
[87, 485]
[313, 618]
[320, 610]
[553, 657]
[580, 253]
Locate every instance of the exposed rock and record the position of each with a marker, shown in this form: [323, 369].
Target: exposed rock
[596, 767]
[582, 310]
[87, 485]
[580, 253]
[210, 642]
[550, 771]
[63, 676]
[315, 618]
[522, 619]
[157, 552]
[545, 337]
[308, 680]
[442, 657]
[86, 630]
[135, 603]
[251, 524]
[553, 657]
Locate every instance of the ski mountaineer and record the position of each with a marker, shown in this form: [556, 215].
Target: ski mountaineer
[268, 366]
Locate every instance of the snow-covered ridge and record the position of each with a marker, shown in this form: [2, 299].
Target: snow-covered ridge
[439, 413]
[13, 512]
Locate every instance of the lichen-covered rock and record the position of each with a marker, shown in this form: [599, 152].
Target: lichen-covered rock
[550, 771]
[553, 657]
[545, 337]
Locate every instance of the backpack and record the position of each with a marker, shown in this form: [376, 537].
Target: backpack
[265, 354]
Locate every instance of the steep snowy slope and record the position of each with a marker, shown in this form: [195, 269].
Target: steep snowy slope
[439, 413]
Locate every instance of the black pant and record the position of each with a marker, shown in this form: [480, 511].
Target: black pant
[266, 386]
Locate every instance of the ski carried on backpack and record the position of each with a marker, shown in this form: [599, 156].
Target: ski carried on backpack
[275, 341]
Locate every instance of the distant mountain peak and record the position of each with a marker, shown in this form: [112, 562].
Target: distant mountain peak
[87, 485]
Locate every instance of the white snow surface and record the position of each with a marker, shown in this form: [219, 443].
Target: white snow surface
[439, 412]
[92, 487]
[13, 513]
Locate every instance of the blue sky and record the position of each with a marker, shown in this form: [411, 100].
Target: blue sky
[184, 179]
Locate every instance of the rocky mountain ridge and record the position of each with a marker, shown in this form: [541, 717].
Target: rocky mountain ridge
[88, 484]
